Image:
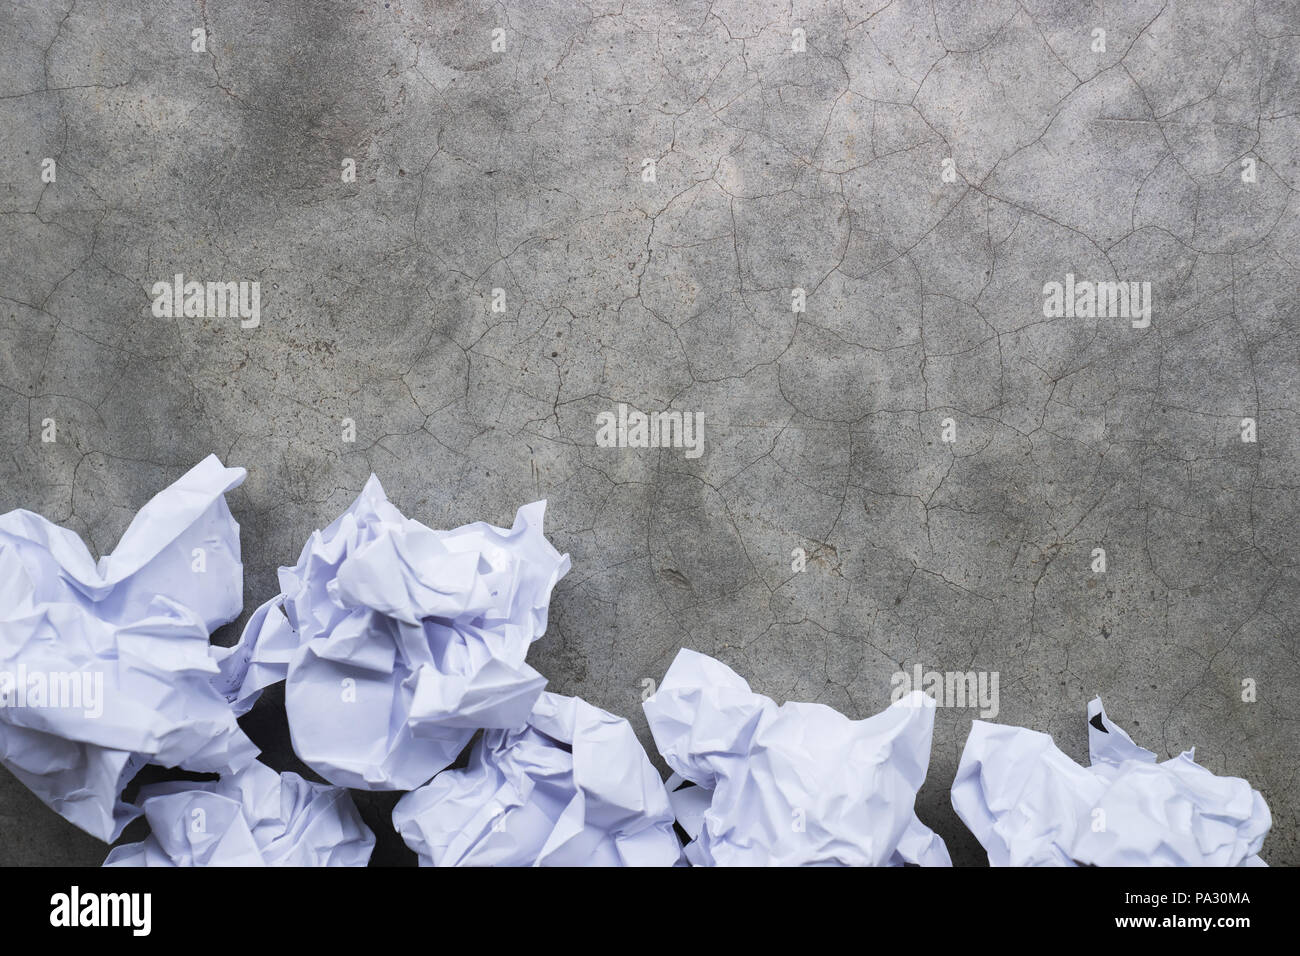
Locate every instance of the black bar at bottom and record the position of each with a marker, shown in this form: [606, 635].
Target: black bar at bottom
[380, 908]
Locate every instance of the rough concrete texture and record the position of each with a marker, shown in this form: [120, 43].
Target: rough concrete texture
[522, 170]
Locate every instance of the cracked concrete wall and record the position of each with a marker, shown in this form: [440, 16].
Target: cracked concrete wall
[523, 169]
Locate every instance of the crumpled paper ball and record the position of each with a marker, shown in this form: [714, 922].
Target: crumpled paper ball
[106, 666]
[1029, 804]
[793, 785]
[571, 788]
[256, 817]
[398, 642]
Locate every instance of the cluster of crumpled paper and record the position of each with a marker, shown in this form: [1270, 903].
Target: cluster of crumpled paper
[398, 643]
[1029, 804]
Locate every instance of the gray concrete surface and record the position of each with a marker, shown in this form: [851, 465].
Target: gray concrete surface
[520, 169]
